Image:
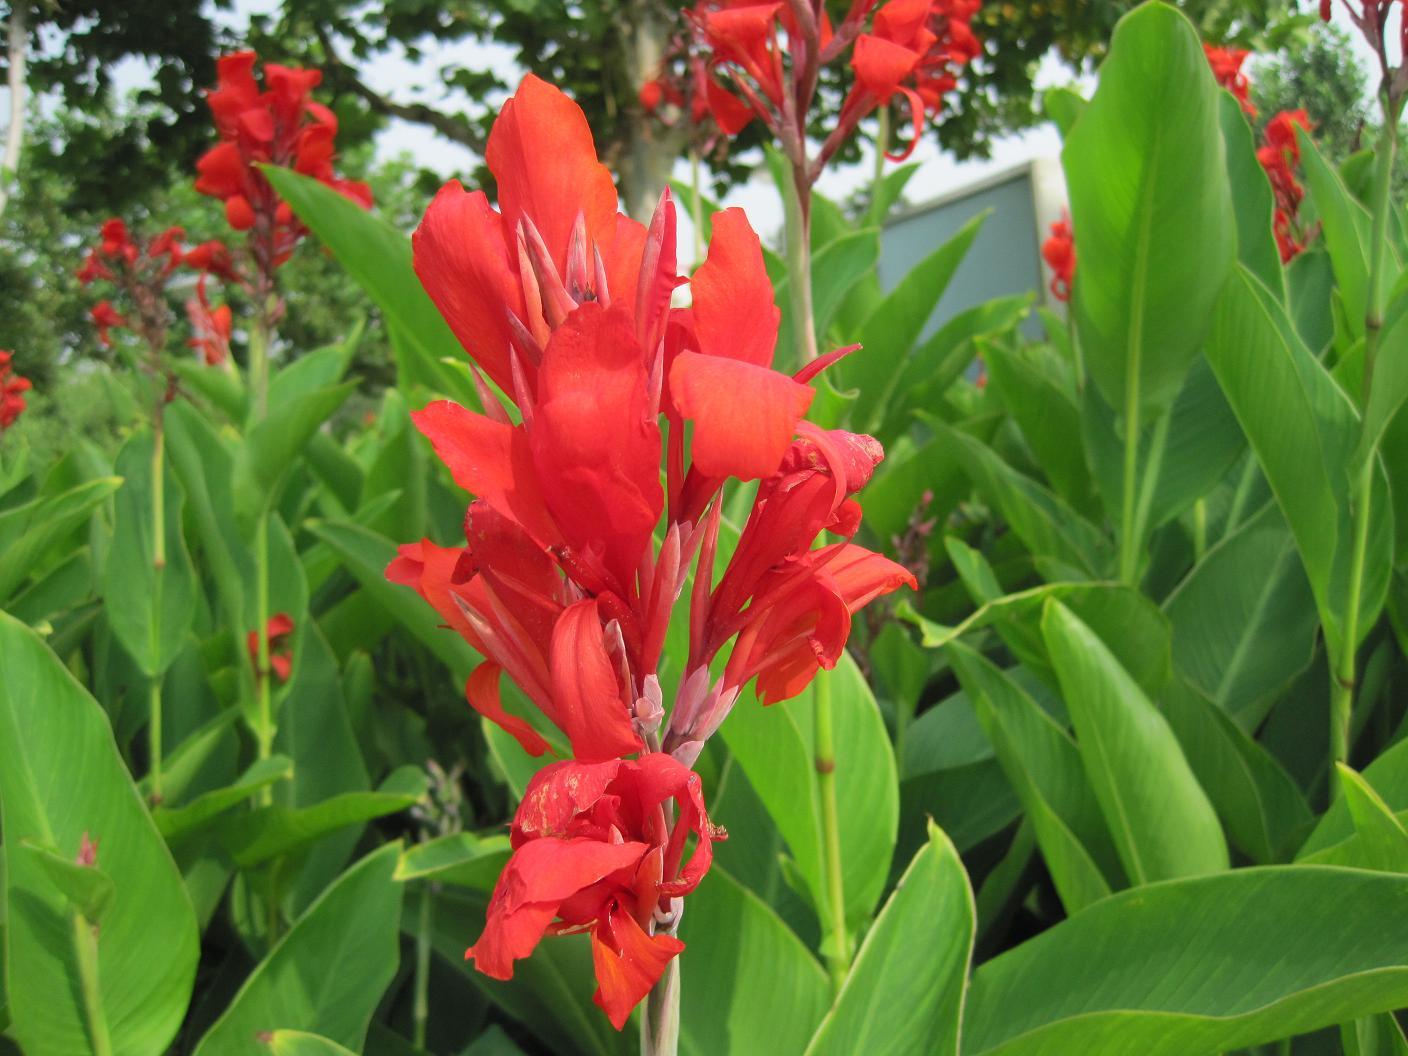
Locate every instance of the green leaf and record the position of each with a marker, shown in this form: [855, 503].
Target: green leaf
[299, 1043]
[1252, 198]
[1159, 816]
[174, 822]
[1151, 210]
[149, 610]
[276, 830]
[61, 777]
[905, 991]
[1383, 841]
[223, 389]
[89, 890]
[893, 328]
[1244, 619]
[1344, 224]
[275, 443]
[1263, 810]
[328, 973]
[775, 747]
[1202, 965]
[26, 532]
[1044, 766]
[378, 257]
[1064, 107]
[461, 858]
[746, 975]
[1304, 431]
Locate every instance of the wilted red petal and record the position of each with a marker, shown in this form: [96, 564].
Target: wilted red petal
[463, 263]
[734, 313]
[558, 793]
[628, 963]
[744, 415]
[592, 711]
[538, 877]
[542, 155]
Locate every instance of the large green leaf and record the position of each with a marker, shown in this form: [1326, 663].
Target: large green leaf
[301, 1043]
[1304, 431]
[26, 532]
[460, 858]
[1244, 620]
[1252, 197]
[1344, 224]
[1044, 766]
[1150, 208]
[274, 444]
[149, 610]
[905, 991]
[1265, 813]
[889, 334]
[1199, 966]
[744, 975]
[1159, 816]
[775, 747]
[61, 780]
[328, 973]
[378, 257]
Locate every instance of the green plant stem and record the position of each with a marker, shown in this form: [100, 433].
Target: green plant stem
[1129, 544]
[85, 941]
[882, 144]
[1200, 530]
[696, 206]
[420, 1010]
[1342, 677]
[836, 941]
[259, 378]
[660, 1018]
[154, 747]
[799, 269]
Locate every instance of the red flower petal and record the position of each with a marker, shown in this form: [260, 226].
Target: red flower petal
[542, 155]
[591, 709]
[463, 263]
[744, 415]
[734, 313]
[628, 963]
[481, 689]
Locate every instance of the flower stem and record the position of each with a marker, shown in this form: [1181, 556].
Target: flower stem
[420, 1010]
[660, 1016]
[1342, 677]
[154, 748]
[799, 268]
[259, 380]
[836, 941]
[85, 941]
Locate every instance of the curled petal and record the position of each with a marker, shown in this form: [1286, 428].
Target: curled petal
[628, 963]
[734, 313]
[481, 689]
[592, 711]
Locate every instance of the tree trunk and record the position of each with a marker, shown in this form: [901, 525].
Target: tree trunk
[647, 148]
[14, 135]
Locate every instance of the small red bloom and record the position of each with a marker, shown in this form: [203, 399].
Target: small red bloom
[1226, 66]
[592, 852]
[106, 318]
[279, 125]
[1059, 252]
[1279, 158]
[12, 390]
[210, 329]
[280, 632]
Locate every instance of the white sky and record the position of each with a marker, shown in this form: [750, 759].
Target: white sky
[402, 80]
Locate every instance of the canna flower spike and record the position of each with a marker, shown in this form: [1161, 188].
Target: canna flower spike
[576, 551]
[12, 390]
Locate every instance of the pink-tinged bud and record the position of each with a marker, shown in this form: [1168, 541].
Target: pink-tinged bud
[578, 279]
[87, 852]
[557, 302]
[650, 706]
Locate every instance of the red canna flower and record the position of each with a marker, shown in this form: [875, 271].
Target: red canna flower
[210, 329]
[279, 124]
[1059, 252]
[280, 632]
[593, 852]
[106, 318]
[12, 390]
[1226, 66]
[1279, 157]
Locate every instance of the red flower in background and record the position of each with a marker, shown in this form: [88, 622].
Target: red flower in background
[280, 632]
[592, 852]
[12, 390]
[1226, 66]
[1279, 158]
[140, 272]
[210, 329]
[1059, 252]
[105, 318]
[279, 124]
